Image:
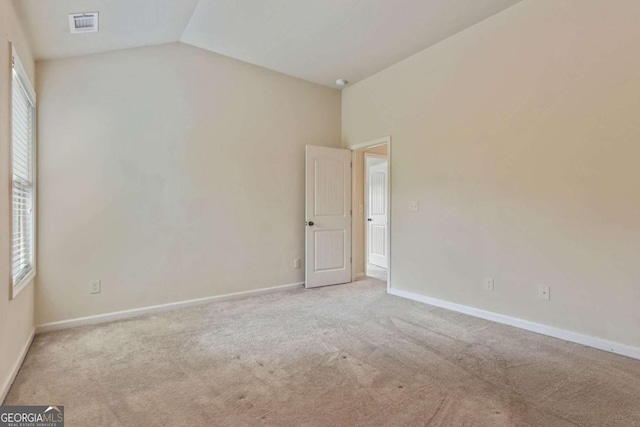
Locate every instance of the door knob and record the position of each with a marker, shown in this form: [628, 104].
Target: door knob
[309, 223]
[369, 219]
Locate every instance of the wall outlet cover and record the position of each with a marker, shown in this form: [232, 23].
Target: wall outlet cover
[544, 292]
[95, 287]
[488, 284]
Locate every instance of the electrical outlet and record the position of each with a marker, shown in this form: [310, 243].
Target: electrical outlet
[95, 287]
[488, 284]
[544, 292]
[413, 206]
[296, 263]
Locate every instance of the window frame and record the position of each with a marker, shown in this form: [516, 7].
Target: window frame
[18, 71]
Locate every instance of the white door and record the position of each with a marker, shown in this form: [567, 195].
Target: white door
[377, 215]
[328, 216]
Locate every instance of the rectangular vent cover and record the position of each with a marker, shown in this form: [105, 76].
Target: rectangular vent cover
[83, 22]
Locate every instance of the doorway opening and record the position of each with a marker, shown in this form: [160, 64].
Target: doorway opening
[376, 168]
[348, 214]
[371, 210]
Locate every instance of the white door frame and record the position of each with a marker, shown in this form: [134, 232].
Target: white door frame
[370, 144]
[366, 205]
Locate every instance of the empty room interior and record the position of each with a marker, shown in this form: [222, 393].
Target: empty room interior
[319, 213]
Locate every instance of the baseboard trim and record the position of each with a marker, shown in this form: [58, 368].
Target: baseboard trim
[563, 334]
[16, 368]
[136, 312]
[360, 276]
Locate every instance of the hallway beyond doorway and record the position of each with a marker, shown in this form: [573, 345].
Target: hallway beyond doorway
[375, 272]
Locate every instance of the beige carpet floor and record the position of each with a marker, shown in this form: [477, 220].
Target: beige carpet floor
[338, 356]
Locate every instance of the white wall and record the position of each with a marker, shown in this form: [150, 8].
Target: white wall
[170, 173]
[16, 316]
[520, 137]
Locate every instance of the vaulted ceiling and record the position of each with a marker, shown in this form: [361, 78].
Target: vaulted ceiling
[316, 40]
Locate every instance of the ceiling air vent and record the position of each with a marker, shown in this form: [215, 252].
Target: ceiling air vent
[83, 22]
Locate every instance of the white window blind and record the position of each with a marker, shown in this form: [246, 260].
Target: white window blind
[22, 150]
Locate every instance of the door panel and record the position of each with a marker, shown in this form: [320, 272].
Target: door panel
[328, 216]
[377, 174]
[378, 237]
[329, 249]
[329, 187]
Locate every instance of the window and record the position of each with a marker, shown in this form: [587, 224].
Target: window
[22, 178]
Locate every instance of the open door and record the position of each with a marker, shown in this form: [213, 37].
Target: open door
[377, 215]
[328, 216]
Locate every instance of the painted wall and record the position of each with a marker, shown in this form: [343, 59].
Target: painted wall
[171, 173]
[359, 254]
[16, 316]
[520, 137]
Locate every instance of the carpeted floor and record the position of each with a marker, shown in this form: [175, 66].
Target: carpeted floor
[338, 356]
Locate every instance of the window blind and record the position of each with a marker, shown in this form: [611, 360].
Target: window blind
[22, 173]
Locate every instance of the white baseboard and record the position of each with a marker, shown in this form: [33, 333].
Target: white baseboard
[563, 334]
[127, 314]
[16, 368]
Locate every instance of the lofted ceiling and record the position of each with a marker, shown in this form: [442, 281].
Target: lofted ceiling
[122, 24]
[316, 40]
